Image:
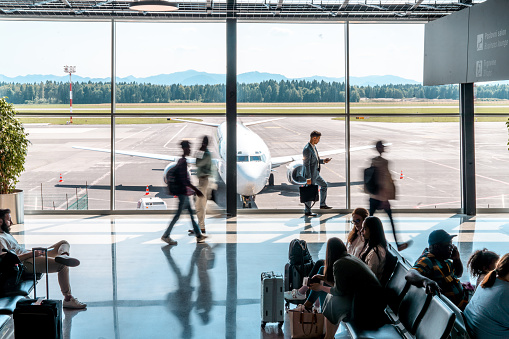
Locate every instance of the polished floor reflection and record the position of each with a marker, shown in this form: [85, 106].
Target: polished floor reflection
[138, 287]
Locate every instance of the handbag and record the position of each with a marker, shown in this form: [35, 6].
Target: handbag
[306, 325]
[308, 193]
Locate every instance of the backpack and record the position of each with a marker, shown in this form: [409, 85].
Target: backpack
[370, 180]
[11, 271]
[173, 182]
[298, 253]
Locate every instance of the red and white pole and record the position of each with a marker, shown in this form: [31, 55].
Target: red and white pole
[70, 93]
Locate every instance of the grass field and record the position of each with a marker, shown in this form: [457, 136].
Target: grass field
[152, 112]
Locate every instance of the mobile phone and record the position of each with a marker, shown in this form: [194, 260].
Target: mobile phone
[313, 281]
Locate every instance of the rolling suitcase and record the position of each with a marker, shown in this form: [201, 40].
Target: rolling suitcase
[272, 306]
[38, 318]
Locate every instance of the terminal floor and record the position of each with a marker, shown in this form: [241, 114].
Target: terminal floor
[138, 287]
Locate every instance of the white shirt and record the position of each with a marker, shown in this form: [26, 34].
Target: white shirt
[8, 242]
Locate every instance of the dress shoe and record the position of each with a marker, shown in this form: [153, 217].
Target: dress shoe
[310, 214]
[325, 207]
[67, 260]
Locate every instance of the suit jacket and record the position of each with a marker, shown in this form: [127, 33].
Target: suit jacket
[311, 162]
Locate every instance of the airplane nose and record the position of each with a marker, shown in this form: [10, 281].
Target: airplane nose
[250, 179]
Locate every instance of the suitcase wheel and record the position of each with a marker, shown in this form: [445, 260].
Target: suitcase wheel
[263, 324]
[280, 325]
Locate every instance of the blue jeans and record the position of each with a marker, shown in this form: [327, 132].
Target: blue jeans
[313, 295]
[184, 203]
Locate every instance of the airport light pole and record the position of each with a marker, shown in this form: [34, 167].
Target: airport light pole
[70, 70]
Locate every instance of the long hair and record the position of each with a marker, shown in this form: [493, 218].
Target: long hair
[335, 249]
[363, 213]
[376, 236]
[480, 260]
[502, 269]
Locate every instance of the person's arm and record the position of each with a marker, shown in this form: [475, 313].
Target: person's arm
[319, 287]
[417, 279]
[185, 179]
[456, 262]
[306, 162]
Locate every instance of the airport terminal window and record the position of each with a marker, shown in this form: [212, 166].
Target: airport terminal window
[57, 175]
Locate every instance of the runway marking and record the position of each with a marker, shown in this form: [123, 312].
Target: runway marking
[291, 130]
[456, 201]
[477, 175]
[175, 136]
[129, 137]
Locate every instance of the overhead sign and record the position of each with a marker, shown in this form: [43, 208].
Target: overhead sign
[471, 45]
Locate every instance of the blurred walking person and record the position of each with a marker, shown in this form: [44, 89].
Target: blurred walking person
[203, 172]
[386, 191]
[311, 171]
[183, 188]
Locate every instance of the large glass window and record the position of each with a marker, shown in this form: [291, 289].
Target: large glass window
[59, 176]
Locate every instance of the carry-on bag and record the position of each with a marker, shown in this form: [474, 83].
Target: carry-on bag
[305, 325]
[272, 299]
[308, 193]
[39, 318]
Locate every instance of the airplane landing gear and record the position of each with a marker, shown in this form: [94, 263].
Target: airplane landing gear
[271, 179]
[246, 201]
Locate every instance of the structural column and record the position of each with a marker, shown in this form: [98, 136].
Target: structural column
[347, 115]
[231, 116]
[112, 112]
[468, 203]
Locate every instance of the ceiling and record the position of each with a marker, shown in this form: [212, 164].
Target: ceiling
[248, 10]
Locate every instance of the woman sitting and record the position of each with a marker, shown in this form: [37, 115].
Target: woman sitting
[335, 247]
[480, 263]
[356, 294]
[375, 245]
[354, 246]
[487, 313]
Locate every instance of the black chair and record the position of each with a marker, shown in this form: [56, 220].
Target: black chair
[390, 264]
[437, 322]
[396, 287]
[459, 329]
[413, 307]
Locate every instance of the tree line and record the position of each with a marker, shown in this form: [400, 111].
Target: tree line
[51, 92]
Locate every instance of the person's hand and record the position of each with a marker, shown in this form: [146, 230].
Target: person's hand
[39, 253]
[455, 255]
[327, 160]
[318, 276]
[308, 181]
[199, 193]
[431, 287]
[315, 287]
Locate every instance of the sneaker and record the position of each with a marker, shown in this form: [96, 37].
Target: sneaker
[169, 240]
[67, 260]
[73, 303]
[201, 239]
[294, 295]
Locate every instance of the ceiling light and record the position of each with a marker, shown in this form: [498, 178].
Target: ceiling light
[154, 6]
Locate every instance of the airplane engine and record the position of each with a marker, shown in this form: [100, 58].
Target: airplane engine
[294, 173]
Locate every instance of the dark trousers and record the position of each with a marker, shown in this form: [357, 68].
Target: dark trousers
[184, 203]
[375, 205]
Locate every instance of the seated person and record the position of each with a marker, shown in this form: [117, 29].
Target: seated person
[335, 247]
[480, 263]
[487, 314]
[58, 259]
[439, 268]
[356, 295]
[354, 246]
[375, 246]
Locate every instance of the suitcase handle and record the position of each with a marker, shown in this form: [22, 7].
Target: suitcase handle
[45, 250]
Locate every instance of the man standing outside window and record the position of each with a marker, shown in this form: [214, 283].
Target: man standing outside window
[203, 172]
[311, 171]
[184, 189]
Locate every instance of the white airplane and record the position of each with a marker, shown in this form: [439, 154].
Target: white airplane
[254, 162]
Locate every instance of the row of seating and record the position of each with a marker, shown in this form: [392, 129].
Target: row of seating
[12, 296]
[412, 312]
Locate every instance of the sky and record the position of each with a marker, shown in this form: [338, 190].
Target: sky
[144, 49]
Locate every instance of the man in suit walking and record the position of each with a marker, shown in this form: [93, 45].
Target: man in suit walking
[311, 171]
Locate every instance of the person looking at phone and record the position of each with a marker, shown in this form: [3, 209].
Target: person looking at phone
[319, 290]
[311, 171]
[58, 259]
[439, 268]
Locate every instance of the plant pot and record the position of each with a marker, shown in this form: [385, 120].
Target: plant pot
[14, 201]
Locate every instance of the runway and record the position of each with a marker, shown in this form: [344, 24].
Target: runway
[426, 155]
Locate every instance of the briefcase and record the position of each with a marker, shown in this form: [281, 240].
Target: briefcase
[308, 193]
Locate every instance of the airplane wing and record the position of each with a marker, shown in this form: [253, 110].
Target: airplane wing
[138, 154]
[278, 161]
[195, 122]
[260, 122]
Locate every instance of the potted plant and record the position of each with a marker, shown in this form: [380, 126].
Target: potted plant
[13, 152]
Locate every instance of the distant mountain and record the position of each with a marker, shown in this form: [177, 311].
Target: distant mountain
[192, 77]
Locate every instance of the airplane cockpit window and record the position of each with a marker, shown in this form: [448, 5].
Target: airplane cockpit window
[255, 158]
[242, 158]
